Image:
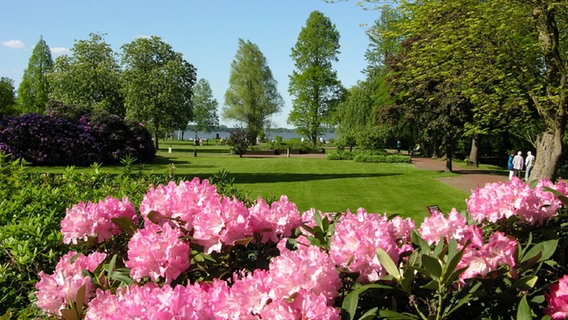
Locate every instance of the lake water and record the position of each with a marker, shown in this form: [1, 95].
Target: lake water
[188, 135]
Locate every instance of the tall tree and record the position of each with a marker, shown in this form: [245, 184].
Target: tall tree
[252, 96]
[204, 107]
[157, 85]
[90, 77]
[314, 83]
[546, 78]
[504, 57]
[7, 97]
[33, 92]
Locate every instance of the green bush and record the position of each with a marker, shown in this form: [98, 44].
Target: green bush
[340, 155]
[375, 156]
[31, 208]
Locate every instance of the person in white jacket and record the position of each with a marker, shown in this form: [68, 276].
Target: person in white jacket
[518, 163]
[529, 164]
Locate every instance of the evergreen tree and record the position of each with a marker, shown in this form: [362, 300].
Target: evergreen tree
[33, 92]
[252, 96]
[7, 98]
[314, 83]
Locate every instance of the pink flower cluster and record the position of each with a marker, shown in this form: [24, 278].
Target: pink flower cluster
[480, 258]
[557, 299]
[501, 200]
[56, 291]
[215, 221]
[357, 237]
[86, 220]
[157, 251]
[300, 284]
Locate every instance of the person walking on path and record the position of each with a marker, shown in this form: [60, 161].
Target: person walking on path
[529, 164]
[518, 163]
[510, 164]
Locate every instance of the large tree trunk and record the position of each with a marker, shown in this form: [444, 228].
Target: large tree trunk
[551, 101]
[548, 154]
[473, 152]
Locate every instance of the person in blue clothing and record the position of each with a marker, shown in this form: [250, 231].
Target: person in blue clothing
[510, 164]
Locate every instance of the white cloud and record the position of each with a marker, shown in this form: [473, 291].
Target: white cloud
[59, 51]
[13, 44]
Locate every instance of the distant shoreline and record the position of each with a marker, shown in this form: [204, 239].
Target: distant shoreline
[270, 134]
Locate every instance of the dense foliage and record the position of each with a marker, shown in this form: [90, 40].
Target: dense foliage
[67, 136]
[239, 142]
[314, 84]
[252, 96]
[157, 85]
[46, 140]
[192, 253]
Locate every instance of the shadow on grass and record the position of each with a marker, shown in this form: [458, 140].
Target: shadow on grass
[297, 177]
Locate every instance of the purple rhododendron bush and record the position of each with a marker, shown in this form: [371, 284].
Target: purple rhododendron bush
[186, 252]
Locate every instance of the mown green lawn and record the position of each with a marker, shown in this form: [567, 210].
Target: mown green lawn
[329, 186]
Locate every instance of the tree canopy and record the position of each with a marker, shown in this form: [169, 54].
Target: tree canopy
[204, 107]
[314, 83]
[33, 92]
[89, 77]
[157, 84]
[252, 96]
[7, 96]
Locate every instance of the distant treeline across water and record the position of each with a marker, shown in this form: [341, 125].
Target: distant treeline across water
[271, 135]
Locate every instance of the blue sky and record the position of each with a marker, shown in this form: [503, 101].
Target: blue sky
[205, 32]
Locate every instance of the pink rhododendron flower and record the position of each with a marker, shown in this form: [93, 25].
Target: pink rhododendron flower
[557, 299]
[500, 200]
[56, 291]
[307, 268]
[402, 228]
[499, 251]
[245, 299]
[182, 201]
[151, 302]
[275, 221]
[157, 252]
[86, 220]
[237, 221]
[455, 226]
[356, 239]
[304, 305]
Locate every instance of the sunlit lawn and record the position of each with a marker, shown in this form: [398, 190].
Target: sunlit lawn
[326, 185]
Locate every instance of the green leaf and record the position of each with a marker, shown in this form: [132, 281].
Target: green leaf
[122, 277]
[432, 265]
[111, 264]
[524, 310]
[418, 241]
[244, 242]
[388, 314]
[370, 314]
[526, 283]
[125, 224]
[388, 264]
[540, 252]
[154, 216]
[351, 301]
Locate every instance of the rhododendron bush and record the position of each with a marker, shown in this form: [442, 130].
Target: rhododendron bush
[190, 253]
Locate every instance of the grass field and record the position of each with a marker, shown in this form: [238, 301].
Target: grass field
[325, 185]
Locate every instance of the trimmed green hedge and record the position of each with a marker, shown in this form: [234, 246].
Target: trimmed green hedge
[380, 156]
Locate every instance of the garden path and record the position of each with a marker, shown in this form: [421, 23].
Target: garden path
[468, 178]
